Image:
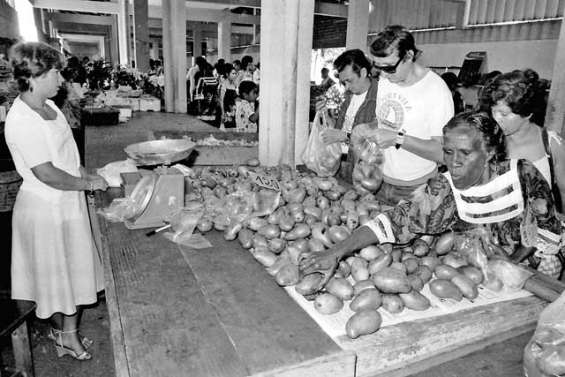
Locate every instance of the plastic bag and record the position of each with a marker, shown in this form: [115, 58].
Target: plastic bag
[183, 221]
[111, 171]
[544, 355]
[265, 202]
[121, 209]
[323, 159]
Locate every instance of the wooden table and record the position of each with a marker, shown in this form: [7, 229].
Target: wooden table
[13, 321]
[216, 312]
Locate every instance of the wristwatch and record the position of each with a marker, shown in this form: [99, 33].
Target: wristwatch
[399, 139]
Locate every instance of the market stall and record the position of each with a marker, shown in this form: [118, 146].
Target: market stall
[177, 310]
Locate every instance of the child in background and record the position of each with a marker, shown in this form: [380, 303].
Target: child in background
[246, 114]
[228, 94]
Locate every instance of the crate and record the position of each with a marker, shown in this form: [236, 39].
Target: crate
[100, 116]
[10, 182]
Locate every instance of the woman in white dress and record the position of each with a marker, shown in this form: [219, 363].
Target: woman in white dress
[54, 259]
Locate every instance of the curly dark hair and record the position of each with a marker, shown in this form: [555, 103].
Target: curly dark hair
[33, 59]
[522, 91]
[394, 37]
[481, 121]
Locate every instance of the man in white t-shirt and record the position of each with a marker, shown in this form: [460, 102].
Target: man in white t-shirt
[413, 105]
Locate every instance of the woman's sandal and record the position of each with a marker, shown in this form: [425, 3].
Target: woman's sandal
[86, 342]
[63, 350]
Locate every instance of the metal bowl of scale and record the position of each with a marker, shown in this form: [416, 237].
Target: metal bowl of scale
[158, 152]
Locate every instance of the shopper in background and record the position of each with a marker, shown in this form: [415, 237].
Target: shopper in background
[327, 81]
[516, 100]
[198, 70]
[227, 96]
[452, 83]
[246, 109]
[413, 104]
[54, 259]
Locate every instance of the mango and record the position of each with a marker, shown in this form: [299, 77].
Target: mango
[392, 304]
[443, 288]
[424, 273]
[454, 260]
[445, 243]
[326, 303]
[420, 248]
[379, 263]
[363, 323]
[367, 299]
[340, 288]
[473, 273]
[390, 280]
[416, 282]
[371, 252]
[466, 286]
[411, 265]
[429, 261]
[415, 300]
[359, 269]
[444, 271]
[287, 275]
[360, 286]
[309, 284]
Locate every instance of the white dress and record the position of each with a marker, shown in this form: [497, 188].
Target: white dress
[54, 258]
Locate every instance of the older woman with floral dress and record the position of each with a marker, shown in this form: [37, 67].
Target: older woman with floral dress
[508, 199]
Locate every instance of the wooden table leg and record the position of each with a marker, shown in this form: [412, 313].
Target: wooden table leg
[22, 350]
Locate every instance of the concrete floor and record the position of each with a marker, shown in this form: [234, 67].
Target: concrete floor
[106, 144]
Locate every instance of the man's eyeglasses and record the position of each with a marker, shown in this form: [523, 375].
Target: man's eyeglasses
[390, 69]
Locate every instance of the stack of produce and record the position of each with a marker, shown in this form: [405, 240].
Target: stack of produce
[311, 214]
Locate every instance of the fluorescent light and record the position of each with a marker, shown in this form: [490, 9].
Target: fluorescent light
[26, 21]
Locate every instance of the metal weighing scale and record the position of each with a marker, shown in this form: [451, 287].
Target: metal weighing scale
[157, 195]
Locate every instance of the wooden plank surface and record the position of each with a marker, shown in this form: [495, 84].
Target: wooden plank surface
[228, 319]
[169, 329]
[267, 328]
[413, 346]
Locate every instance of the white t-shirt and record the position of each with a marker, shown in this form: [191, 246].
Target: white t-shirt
[421, 110]
[354, 105]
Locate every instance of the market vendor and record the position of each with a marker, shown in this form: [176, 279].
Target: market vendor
[508, 199]
[358, 107]
[413, 104]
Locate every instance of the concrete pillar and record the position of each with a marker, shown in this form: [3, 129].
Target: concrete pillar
[123, 33]
[196, 41]
[357, 24]
[224, 38]
[114, 41]
[286, 45]
[154, 49]
[555, 113]
[174, 55]
[141, 34]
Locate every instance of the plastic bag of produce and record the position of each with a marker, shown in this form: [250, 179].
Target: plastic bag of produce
[323, 159]
[544, 355]
[183, 222]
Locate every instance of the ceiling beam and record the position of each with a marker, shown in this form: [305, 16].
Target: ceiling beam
[224, 3]
[157, 24]
[79, 5]
[80, 18]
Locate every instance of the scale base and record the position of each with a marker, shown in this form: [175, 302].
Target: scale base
[167, 197]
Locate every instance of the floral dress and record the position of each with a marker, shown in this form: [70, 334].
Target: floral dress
[510, 215]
